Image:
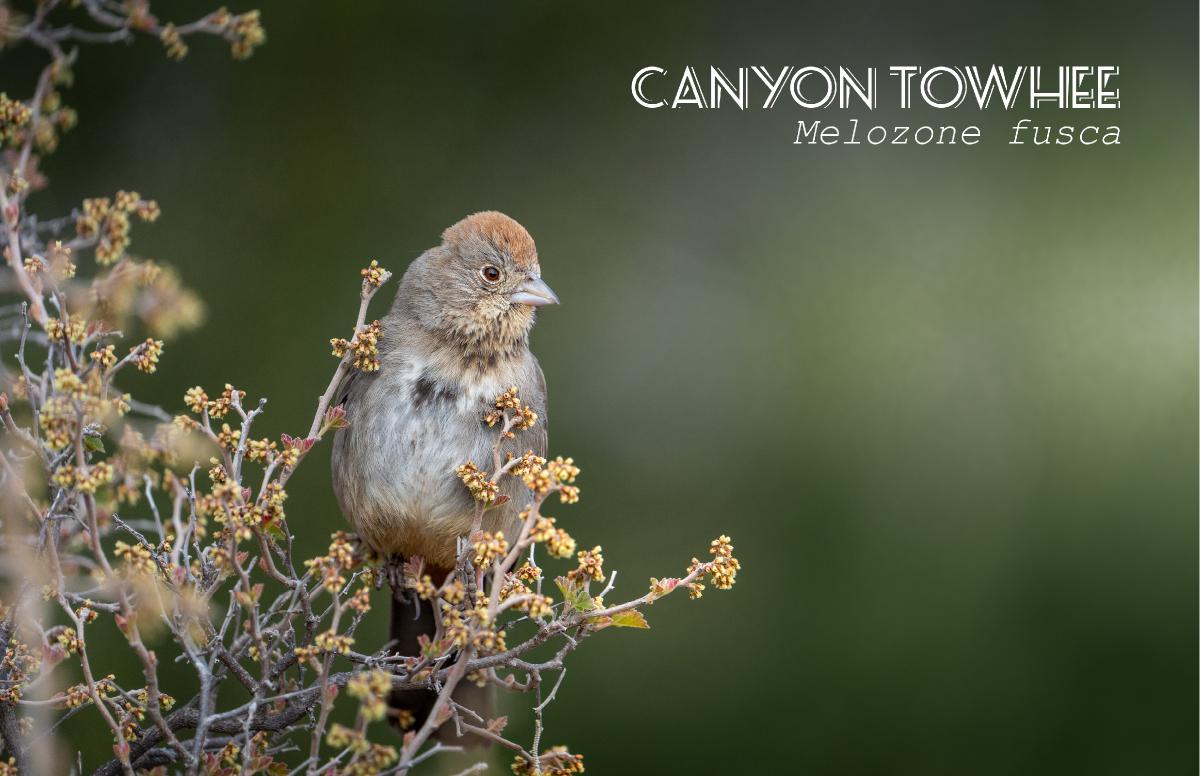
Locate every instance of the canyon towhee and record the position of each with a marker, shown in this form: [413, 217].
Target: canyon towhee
[456, 337]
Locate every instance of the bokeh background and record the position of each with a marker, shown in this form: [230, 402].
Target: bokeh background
[943, 399]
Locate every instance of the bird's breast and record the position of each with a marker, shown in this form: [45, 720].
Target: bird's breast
[394, 467]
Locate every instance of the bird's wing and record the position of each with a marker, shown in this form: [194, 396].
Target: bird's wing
[352, 386]
[538, 437]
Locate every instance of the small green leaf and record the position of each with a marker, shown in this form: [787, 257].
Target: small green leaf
[630, 619]
[94, 444]
[575, 594]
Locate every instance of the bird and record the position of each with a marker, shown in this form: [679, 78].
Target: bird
[456, 337]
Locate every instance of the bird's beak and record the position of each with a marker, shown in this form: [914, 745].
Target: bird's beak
[534, 292]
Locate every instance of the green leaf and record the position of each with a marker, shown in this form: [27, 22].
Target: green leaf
[94, 444]
[630, 619]
[575, 594]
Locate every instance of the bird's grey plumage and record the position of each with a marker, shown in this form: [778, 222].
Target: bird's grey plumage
[412, 424]
[453, 341]
[446, 353]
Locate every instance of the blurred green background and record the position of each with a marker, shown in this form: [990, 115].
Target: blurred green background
[943, 399]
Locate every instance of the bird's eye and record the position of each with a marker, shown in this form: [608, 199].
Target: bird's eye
[489, 273]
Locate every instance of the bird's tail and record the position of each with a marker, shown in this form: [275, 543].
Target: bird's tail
[411, 619]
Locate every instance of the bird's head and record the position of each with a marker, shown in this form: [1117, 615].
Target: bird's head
[483, 283]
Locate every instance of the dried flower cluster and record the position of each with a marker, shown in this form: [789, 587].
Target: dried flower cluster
[173, 529]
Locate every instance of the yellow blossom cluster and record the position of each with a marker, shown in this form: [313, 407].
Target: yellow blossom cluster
[371, 688]
[138, 559]
[538, 606]
[360, 601]
[151, 292]
[269, 506]
[57, 419]
[489, 547]
[198, 402]
[105, 357]
[482, 488]
[87, 479]
[227, 437]
[403, 718]
[556, 761]
[331, 641]
[558, 542]
[133, 712]
[488, 641]
[173, 42]
[455, 632]
[307, 654]
[537, 479]
[523, 417]
[289, 456]
[66, 638]
[196, 399]
[334, 564]
[165, 702]
[224, 503]
[73, 330]
[106, 221]
[374, 275]
[553, 475]
[512, 587]
[61, 266]
[259, 449]
[20, 662]
[591, 565]
[534, 604]
[367, 758]
[695, 588]
[145, 355]
[528, 572]
[78, 695]
[47, 130]
[245, 33]
[364, 347]
[423, 587]
[14, 114]
[454, 592]
[526, 463]
[722, 569]
[73, 385]
[563, 470]
[724, 566]
[509, 400]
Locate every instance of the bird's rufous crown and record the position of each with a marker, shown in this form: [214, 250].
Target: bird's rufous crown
[500, 231]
